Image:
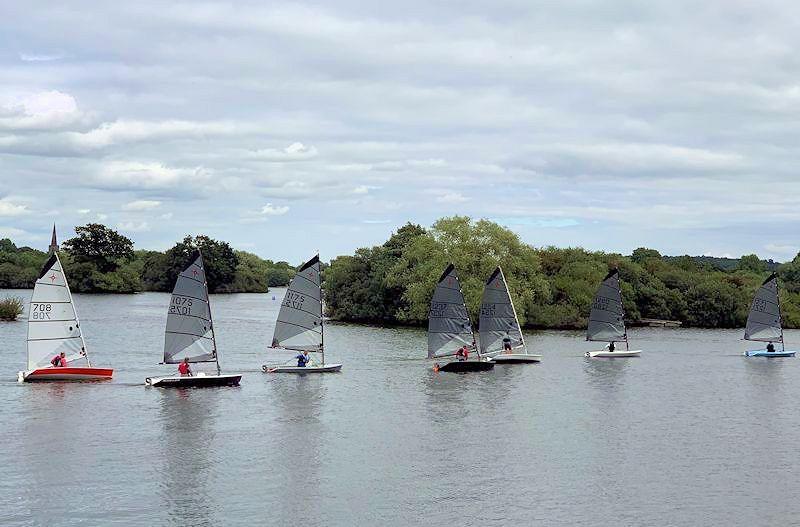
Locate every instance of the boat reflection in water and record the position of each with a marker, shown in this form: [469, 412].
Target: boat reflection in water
[187, 464]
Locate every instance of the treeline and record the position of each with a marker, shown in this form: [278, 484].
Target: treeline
[551, 287]
[100, 260]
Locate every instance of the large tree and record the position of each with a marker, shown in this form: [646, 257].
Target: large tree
[100, 246]
[219, 258]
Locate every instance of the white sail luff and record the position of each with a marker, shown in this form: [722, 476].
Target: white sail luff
[53, 324]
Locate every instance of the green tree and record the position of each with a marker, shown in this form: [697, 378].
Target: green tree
[100, 246]
[218, 257]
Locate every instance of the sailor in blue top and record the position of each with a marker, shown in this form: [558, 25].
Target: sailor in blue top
[302, 359]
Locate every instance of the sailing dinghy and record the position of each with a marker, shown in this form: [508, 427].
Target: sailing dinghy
[764, 320]
[300, 324]
[53, 328]
[189, 332]
[449, 327]
[607, 320]
[499, 325]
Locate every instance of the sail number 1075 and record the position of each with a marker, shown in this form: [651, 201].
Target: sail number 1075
[294, 300]
[180, 305]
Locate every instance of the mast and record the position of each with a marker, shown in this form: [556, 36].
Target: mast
[321, 318]
[210, 318]
[514, 310]
[77, 320]
[780, 317]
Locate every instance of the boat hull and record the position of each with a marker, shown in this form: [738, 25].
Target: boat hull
[605, 354]
[67, 373]
[516, 358]
[328, 368]
[466, 366]
[765, 353]
[195, 381]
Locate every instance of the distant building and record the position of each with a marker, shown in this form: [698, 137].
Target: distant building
[53, 242]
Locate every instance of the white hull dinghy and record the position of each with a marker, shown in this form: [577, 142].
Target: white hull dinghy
[300, 327]
[328, 368]
[189, 334]
[501, 339]
[764, 322]
[605, 354]
[607, 321]
[54, 328]
[449, 327]
[516, 358]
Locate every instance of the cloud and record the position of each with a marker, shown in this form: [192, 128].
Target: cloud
[147, 176]
[8, 208]
[132, 226]
[141, 205]
[644, 126]
[271, 210]
[40, 57]
[293, 152]
[42, 110]
[84, 212]
[12, 232]
[782, 249]
[452, 197]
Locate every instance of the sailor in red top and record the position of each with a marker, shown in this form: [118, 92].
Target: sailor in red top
[462, 353]
[184, 369]
[59, 361]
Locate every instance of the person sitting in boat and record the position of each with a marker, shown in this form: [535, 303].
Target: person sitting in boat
[59, 361]
[463, 353]
[770, 348]
[302, 359]
[184, 369]
[506, 344]
[611, 347]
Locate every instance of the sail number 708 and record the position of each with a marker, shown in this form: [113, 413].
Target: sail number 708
[41, 311]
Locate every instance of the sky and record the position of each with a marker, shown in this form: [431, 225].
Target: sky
[291, 128]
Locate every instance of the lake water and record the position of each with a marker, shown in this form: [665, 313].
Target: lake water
[691, 433]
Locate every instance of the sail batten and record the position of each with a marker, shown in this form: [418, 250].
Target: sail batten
[53, 325]
[299, 324]
[189, 333]
[449, 327]
[498, 318]
[764, 319]
[607, 317]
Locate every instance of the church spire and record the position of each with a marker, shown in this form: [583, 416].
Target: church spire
[53, 241]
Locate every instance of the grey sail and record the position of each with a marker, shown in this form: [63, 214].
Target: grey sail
[606, 320]
[53, 325]
[498, 318]
[299, 324]
[189, 332]
[449, 327]
[764, 320]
